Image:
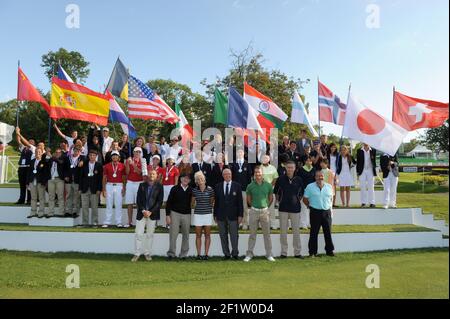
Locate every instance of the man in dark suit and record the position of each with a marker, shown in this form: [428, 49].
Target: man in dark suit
[293, 154]
[201, 165]
[302, 142]
[149, 199]
[91, 175]
[228, 213]
[366, 170]
[389, 167]
[58, 165]
[37, 180]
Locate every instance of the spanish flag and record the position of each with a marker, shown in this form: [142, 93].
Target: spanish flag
[73, 101]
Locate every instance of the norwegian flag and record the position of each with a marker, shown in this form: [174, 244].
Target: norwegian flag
[145, 104]
[331, 109]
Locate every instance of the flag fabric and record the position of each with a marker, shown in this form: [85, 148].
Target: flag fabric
[118, 82]
[116, 114]
[364, 125]
[299, 114]
[145, 104]
[62, 74]
[240, 114]
[6, 133]
[220, 107]
[182, 124]
[74, 101]
[331, 109]
[265, 106]
[27, 92]
[412, 113]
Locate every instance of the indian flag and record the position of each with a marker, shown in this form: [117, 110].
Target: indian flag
[270, 115]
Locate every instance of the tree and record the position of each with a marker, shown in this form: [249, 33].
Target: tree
[436, 139]
[73, 63]
[248, 65]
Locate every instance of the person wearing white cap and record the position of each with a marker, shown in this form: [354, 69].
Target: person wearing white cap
[154, 165]
[114, 179]
[136, 168]
[107, 141]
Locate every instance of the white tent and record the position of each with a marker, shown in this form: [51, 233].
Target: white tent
[420, 151]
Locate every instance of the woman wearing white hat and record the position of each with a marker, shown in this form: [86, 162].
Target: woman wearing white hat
[169, 178]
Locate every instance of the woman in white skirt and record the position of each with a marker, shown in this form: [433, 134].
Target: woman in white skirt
[344, 171]
[203, 201]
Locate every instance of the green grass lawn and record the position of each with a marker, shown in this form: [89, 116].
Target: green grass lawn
[437, 204]
[214, 229]
[422, 273]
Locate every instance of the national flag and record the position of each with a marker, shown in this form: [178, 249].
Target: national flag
[27, 92]
[74, 101]
[116, 114]
[220, 107]
[62, 74]
[145, 104]
[299, 114]
[118, 82]
[331, 109]
[273, 115]
[364, 125]
[6, 133]
[240, 114]
[412, 113]
[183, 125]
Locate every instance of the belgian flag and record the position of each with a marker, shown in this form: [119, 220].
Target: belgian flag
[118, 82]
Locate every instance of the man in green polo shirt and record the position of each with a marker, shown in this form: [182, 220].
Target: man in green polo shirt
[259, 199]
[270, 175]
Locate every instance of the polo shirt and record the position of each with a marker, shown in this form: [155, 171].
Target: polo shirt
[132, 175]
[269, 173]
[259, 193]
[203, 204]
[108, 172]
[319, 198]
[290, 191]
[171, 173]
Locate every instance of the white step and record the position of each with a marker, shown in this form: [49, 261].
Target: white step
[53, 221]
[123, 243]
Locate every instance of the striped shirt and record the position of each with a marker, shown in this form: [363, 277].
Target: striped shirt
[203, 204]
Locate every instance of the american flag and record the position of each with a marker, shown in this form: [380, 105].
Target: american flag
[145, 104]
[331, 109]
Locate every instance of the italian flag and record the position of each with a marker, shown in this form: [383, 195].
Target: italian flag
[185, 129]
[269, 114]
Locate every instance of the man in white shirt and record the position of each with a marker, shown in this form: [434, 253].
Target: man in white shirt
[174, 151]
[107, 141]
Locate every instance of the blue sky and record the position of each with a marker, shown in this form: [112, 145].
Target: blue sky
[189, 40]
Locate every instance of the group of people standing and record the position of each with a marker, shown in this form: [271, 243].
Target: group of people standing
[224, 189]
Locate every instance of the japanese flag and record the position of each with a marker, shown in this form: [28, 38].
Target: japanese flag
[367, 126]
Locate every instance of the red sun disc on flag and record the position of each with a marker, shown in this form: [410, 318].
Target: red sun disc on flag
[370, 123]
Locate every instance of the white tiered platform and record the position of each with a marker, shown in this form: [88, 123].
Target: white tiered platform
[115, 242]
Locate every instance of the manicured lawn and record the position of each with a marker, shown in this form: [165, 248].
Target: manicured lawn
[412, 183]
[437, 204]
[336, 229]
[403, 274]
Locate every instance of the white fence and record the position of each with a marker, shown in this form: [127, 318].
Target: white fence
[8, 169]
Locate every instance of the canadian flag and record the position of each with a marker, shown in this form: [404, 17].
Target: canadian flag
[412, 113]
[364, 125]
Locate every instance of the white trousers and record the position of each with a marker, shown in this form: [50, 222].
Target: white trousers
[113, 198]
[390, 190]
[367, 186]
[143, 241]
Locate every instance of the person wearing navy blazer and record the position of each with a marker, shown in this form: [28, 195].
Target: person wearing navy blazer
[228, 213]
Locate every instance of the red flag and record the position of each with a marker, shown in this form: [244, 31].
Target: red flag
[413, 113]
[27, 92]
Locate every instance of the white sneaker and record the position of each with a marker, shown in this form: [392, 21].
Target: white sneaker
[125, 226]
[148, 257]
[105, 226]
[244, 227]
[119, 226]
[393, 206]
[270, 258]
[247, 259]
[135, 258]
